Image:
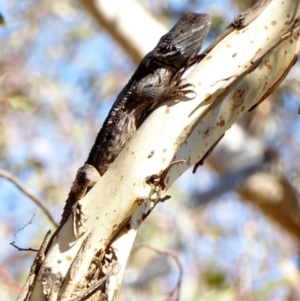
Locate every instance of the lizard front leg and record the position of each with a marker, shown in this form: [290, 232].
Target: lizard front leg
[158, 93]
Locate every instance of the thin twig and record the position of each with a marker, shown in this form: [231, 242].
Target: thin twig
[171, 253]
[13, 243]
[38, 201]
[23, 249]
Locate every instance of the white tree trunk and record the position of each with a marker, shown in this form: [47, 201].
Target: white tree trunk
[239, 72]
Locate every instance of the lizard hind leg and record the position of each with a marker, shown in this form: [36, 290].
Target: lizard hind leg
[87, 176]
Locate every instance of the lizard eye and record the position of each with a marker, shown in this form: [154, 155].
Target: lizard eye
[181, 32]
[191, 16]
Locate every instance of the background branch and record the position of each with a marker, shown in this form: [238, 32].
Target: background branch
[38, 201]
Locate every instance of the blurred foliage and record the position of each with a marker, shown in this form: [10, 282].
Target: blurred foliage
[21, 103]
[213, 277]
[59, 75]
[2, 21]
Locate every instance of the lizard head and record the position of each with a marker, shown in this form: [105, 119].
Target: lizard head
[183, 41]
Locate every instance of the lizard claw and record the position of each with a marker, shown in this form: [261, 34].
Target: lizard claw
[179, 89]
[79, 218]
[186, 86]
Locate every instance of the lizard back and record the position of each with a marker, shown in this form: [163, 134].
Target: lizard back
[150, 83]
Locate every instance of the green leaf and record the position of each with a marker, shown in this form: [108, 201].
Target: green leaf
[21, 103]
